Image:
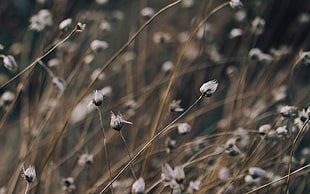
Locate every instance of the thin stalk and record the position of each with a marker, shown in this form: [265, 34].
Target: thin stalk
[40, 58]
[127, 149]
[292, 153]
[105, 146]
[92, 82]
[27, 187]
[278, 180]
[150, 142]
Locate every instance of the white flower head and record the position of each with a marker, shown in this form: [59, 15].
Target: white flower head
[98, 45]
[59, 83]
[288, 111]
[41, 20]
[235, 4]
[235, 32]
[10, 63]
[138, 186]
[175, 106]
[117, 121]
[258, 25]
[68, 184]
[102, 2]
[264, 129]
[7, 98]
[147, 12]
[29, 174]
[184, 128]
[80, 27]
[282, 132]
[256, 172]
[65, 24]
[85, 159]
[207, 89]
[97, 98]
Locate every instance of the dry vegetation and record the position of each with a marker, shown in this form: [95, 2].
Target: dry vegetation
[112, 100]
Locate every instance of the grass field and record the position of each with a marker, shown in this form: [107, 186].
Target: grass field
[150, 96]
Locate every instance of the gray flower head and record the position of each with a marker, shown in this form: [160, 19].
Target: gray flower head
[29, 174]
[207, 89]
[117, 121]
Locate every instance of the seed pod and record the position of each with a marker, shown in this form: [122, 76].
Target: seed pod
[207, 89]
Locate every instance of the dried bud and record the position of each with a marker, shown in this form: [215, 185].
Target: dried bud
[59, 83]
[68, 184]
[98, 45]
[97, 98]
[10, 63]
[184, 128]
[138, 186]
[29, 174]
[231, 148]
[117, 121]
[288, 111]
[207, 89]
[7, 98]
[282, 132]
[65, 24]
[264, 129]
[175, 106]
[235, 4]
[80, 27]
[147, 12]
[256, 172]
[85, 159]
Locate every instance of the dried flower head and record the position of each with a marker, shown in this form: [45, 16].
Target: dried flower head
[167, 66]
[175, 106]
[207, 89]
[288, 111]
[98, 45]
[170, 175]
[97, 98]
[54, 62]
[7, 98]
[10, 63]
[161, 37]
[138, 186]
[224, 173]
[65, 24]
[264, 129]
[68, 184]
[170, 144]
[256, 172]
[117, 121]
[29, 174]
[184, 128]
[147, 12]
[59, 83]
[235, 4]
[258, 25]
[85, 159]
[187, 3]
[194, 186]
[41, 20]
[231, 148]
[80, 27]
[102, 2]
[282, 132]
[235, 32]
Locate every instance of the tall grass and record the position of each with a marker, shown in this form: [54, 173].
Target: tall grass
[248, 136]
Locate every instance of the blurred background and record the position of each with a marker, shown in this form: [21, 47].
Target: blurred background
[258, 52]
